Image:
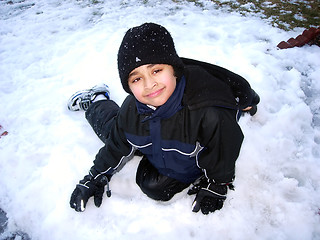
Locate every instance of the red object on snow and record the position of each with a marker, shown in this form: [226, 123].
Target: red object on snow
[310, 36]
[3, 133]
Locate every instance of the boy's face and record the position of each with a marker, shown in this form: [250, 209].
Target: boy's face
[152, 84]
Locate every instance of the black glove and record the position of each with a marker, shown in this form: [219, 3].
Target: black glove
[255, 101]
[89, 186]
[210, 196]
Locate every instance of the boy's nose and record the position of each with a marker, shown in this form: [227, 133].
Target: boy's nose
[150, 83]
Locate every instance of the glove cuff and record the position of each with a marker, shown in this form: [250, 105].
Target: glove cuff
[94, 178]
[205, 183]
[100, 179]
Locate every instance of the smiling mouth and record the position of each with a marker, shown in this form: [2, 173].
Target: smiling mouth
[156, 93]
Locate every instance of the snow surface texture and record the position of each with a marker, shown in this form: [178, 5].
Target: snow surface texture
[49, 49]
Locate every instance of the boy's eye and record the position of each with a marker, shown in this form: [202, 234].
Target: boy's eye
[156, 71]
[135, 80]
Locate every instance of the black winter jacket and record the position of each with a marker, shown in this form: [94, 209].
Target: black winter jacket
[194, 133]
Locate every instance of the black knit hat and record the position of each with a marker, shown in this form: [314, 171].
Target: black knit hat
[148, 43]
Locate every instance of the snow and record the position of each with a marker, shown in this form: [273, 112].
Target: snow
[49, 49]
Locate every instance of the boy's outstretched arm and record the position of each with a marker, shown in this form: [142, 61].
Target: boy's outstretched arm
[221, 138]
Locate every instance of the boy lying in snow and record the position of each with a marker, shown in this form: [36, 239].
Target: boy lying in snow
[181, 115]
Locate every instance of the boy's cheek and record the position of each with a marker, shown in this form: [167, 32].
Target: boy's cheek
[136, 92]
[132, 89]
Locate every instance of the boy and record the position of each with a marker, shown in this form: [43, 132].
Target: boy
[181, 116]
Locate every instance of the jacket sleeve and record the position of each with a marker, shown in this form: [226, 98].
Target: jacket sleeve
[221, 137]
[116, 151]
[239, 86]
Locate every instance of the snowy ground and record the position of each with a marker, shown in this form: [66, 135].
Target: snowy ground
[50, 48]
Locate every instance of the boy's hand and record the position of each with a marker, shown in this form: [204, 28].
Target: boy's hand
[247, 109]
[87, 188]
[209, 198]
